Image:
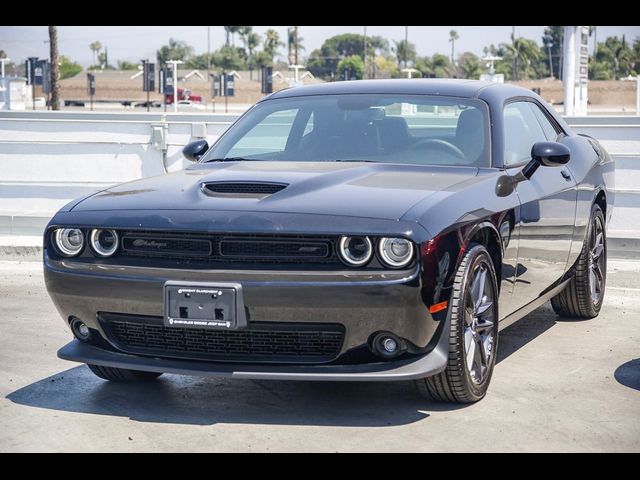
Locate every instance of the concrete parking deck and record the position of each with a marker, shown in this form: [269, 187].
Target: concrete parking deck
[558, 386]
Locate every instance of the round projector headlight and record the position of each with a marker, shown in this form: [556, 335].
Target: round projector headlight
[69, 241]
[395, 252]
[104, 242]
[355, 251]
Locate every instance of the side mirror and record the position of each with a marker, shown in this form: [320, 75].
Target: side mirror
[194, 150]
[548, 154]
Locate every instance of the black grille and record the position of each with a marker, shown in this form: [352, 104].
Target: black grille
[262, 342]
[273, 249]
[244, 189]
[211, 250]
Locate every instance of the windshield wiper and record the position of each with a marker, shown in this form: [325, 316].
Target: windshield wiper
[233, 159]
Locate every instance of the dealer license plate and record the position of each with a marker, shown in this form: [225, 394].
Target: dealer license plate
[200, 305]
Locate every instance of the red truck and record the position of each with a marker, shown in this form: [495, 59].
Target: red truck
[183, 95]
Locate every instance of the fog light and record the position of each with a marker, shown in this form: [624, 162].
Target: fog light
[387, 345]
[80, 330]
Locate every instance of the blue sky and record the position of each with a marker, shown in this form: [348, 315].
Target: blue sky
[133, 43]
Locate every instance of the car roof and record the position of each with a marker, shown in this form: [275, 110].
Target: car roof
[420, 86]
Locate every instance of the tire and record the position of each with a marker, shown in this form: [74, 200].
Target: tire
[122, 375]
[460, 382]
[581, 298]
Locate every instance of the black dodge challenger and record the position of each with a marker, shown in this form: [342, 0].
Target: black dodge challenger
[371, 230]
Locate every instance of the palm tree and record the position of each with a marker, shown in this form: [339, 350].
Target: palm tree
[469, 66]
[272, 43]
[232, 30]
[405, 51]
[295, 44]
[453, 36]
[524, 53]
[95, 48]
[55, 70]
[252, 41]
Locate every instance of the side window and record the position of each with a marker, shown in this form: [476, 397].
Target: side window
[521, 131]
[547, 126]
[268, 136]
[309, 127]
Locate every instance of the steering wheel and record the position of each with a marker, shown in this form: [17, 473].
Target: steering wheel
[441, 144]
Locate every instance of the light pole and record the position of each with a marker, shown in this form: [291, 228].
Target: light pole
[364, 53]
[549, 40]
[406, 45]
[208, 50]
[175, 64]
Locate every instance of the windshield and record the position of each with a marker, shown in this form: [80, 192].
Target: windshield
[410, 129]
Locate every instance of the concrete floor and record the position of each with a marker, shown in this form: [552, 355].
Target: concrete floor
[558, 386]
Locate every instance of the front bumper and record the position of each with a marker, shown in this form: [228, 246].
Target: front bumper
[430, 364]
[364, 303]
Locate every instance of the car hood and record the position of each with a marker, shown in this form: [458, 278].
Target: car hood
[384, 191]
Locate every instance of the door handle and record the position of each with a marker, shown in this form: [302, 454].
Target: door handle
[565, 175]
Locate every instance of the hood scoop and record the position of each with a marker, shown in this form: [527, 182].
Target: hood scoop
[242, 189]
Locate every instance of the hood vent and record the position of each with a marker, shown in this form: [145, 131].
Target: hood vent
[242, 189]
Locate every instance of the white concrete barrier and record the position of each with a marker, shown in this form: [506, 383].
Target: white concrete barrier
[620, 135]
[50, 158]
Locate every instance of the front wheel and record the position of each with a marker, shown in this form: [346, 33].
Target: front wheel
[582, 298]
[473, 334]
[123, 375]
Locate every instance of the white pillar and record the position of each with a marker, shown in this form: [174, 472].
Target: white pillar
[569, 70]
[638, 95]
[175, 87]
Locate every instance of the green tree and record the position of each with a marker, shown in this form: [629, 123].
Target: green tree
[232, 30]
[469, 66]
[386, 67]
[353, 64]
[175, 50]
[405, 52]
[199, 62]
[253, 41]
[68, 68]
[3, 54]
[95, 49]
[294, 44]
[438, 66]
[323, 62]
[229, 58]
[636, 55]
[453, 36]
[525, 58]
[103, 60]
[272, 43]
[552, 45]
[125, 65]
[616, 55]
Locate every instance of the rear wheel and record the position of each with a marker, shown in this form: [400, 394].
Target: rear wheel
[122, 375]
[473, 334]
[582, 298]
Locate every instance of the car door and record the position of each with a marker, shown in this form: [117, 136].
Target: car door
[548, 204]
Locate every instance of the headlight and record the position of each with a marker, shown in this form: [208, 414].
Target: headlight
[69, 241]
[355, 251]
[104, 242]
[395, 252]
